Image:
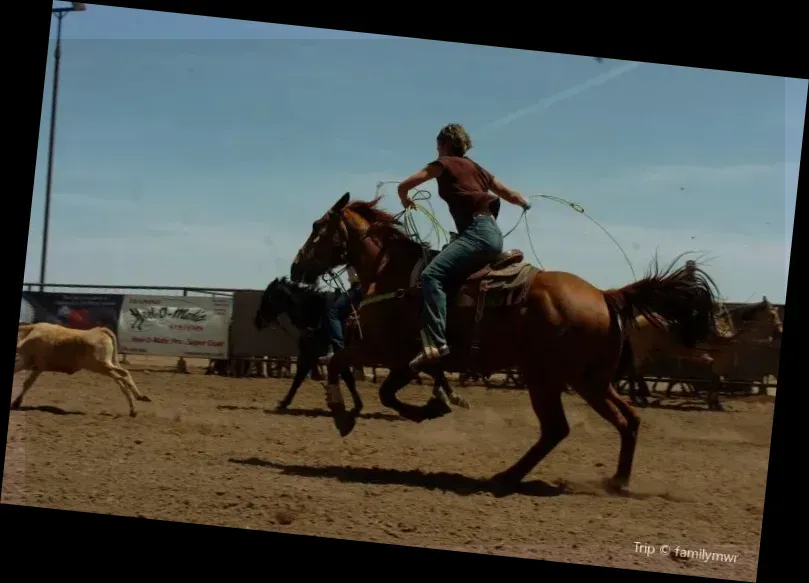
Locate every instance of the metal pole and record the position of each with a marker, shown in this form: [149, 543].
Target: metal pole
[49, 179]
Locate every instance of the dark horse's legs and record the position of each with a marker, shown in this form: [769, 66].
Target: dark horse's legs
[634, 383]
[305, 365]
[338, 368]
[310, 351]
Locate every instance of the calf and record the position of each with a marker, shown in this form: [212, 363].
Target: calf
[43, 347]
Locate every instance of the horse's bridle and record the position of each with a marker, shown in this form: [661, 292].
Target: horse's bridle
[335, 219]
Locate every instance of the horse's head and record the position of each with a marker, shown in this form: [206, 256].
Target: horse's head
[762, 316]
[350, 233]
[277, 299]
[772, 318]
[326, 247]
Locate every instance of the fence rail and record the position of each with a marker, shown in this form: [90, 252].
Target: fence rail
[184, 290]
[160, 320]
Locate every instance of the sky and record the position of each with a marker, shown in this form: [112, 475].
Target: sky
[194, 151]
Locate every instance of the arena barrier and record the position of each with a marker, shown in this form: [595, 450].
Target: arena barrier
[217, 324]
[150, 325]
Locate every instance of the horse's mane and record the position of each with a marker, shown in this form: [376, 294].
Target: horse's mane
[383, 225]
[306, 292]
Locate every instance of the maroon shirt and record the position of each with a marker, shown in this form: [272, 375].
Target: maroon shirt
[464, 185]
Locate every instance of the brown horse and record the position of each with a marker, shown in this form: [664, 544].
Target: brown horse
[555, 327]
[739, 325]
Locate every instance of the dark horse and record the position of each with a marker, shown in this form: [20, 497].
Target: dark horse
[307, 308]
[555, 327]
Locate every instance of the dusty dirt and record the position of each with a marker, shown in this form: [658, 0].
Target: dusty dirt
[212, 450]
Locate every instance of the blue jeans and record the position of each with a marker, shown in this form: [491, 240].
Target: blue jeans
[476, 247]
[339, 312]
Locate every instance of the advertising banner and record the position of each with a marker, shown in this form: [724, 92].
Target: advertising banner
[73, 310]
[193, 327]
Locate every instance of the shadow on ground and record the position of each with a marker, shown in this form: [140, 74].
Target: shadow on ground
[449, 482]
[682, 406]
[49, 409]
[311, 413]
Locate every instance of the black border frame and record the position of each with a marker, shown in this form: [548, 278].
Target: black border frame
[752, 42]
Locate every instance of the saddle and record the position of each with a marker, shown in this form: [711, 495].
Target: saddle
[504, 282]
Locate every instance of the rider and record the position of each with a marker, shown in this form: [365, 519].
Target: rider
[340, 309]
[464, 185]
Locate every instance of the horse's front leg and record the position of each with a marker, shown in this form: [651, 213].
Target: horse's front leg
[351, 382]
[338, 364]
[396, 380]
[454, 397]
[305, 364]
[443, 391]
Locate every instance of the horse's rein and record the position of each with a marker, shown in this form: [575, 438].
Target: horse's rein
[334, 277]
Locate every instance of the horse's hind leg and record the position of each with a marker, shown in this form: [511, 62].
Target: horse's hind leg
[603, 398]
[546, 400]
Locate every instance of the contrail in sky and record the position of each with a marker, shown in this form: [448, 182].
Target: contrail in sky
[561, 96]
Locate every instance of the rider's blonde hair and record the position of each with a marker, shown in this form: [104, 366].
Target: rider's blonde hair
[455, 139]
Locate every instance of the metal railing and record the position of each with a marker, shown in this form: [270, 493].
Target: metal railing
[160, 289]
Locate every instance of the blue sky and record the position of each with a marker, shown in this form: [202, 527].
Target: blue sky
[196, 151]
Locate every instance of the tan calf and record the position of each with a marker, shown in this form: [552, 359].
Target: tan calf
[43, 347]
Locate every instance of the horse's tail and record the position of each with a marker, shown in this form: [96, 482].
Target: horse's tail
[681, 301]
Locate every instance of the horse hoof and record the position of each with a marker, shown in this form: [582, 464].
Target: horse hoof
[15, 406]
[282, 406]
[145, 399]
[133, 414]
[437, 408]
[345, 423]
[503, 484]
[616, 485]
[460, 402]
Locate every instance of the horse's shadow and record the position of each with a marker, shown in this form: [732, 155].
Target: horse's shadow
[658, 404]
[448, 482]
[311, 413]
[53, 410]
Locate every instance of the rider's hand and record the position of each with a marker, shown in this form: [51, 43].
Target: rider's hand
[407, 202]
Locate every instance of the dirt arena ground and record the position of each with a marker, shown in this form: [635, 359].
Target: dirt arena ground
[212, 450]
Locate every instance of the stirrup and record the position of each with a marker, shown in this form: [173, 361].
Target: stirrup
[428, 356]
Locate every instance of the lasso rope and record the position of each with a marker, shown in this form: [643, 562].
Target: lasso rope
[423, 195]
[579, 209]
